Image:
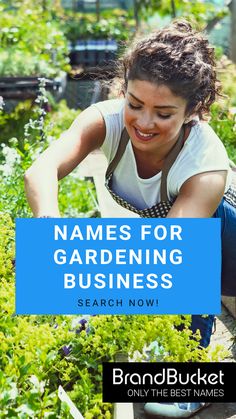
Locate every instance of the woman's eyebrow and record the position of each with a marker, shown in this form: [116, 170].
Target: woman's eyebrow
[158, 107]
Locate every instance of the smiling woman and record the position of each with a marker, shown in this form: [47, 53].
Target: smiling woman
[164, 160]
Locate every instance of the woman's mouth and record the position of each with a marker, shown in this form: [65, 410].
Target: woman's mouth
[143, 136]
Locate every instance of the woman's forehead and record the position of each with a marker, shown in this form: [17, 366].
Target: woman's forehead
[160, 95]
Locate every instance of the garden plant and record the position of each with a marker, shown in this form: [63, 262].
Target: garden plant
[31, 42]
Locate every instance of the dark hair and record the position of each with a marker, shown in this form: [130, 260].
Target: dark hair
[179, 57]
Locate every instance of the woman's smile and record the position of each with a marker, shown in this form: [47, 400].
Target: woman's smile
[144, 136]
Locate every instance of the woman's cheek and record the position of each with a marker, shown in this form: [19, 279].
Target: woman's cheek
[128, 117]
[127, 113]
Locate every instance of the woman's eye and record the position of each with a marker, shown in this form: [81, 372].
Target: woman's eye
[135, 107]
[164, 116]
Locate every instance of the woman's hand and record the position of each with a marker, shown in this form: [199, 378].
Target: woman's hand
[199, 196]
[86, 134]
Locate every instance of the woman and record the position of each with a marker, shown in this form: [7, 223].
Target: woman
[166, 162]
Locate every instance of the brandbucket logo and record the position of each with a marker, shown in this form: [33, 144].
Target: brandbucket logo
[169, 382]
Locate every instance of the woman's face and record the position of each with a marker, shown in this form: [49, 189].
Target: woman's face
[153, 116]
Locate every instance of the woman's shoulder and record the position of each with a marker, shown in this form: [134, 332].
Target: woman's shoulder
[110, 107]
[112, 113]
[205, 143]
[203, 133]
[203, 140]
[203, 151]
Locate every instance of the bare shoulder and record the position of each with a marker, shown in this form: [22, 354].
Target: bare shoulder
[211, 182]
[200, 195]
[89, 126]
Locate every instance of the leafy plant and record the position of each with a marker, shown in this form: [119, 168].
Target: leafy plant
[23, 63]
[116, 25]
[206, 14]
[223, 121]
[223, 112]
[57, 117]
[77, 195]
[31, 43]
[227, 76]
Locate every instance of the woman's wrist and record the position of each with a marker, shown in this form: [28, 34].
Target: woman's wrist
[50, 213]
[47, 214]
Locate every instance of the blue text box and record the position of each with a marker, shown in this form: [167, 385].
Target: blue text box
[118, 266]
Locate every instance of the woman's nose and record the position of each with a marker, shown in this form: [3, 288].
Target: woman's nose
[145, 122]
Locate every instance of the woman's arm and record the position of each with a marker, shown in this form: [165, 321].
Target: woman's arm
[86, 134]
[199, 196]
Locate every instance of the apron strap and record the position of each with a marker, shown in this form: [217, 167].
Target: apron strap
[170, 159]
[232, 165]
[124, 139]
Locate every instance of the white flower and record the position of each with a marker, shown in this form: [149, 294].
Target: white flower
[36, 153]
[38, 385]
[5, 170]
[2, 103]
[13, 141]
[10, 154]
[12, 159]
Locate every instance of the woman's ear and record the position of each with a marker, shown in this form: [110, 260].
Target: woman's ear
[189, 118]
[193, 114]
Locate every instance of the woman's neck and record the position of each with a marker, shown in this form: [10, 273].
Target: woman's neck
[147, 167]
[149, 164]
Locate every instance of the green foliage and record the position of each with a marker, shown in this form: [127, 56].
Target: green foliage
[77, 196]
[227, 76]
[223, 112]
[31, 43]
[116, 25]
[58, 118]
[28, 346]
[199, 12]
[223, 121]
[15, 63]
[13, 124]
